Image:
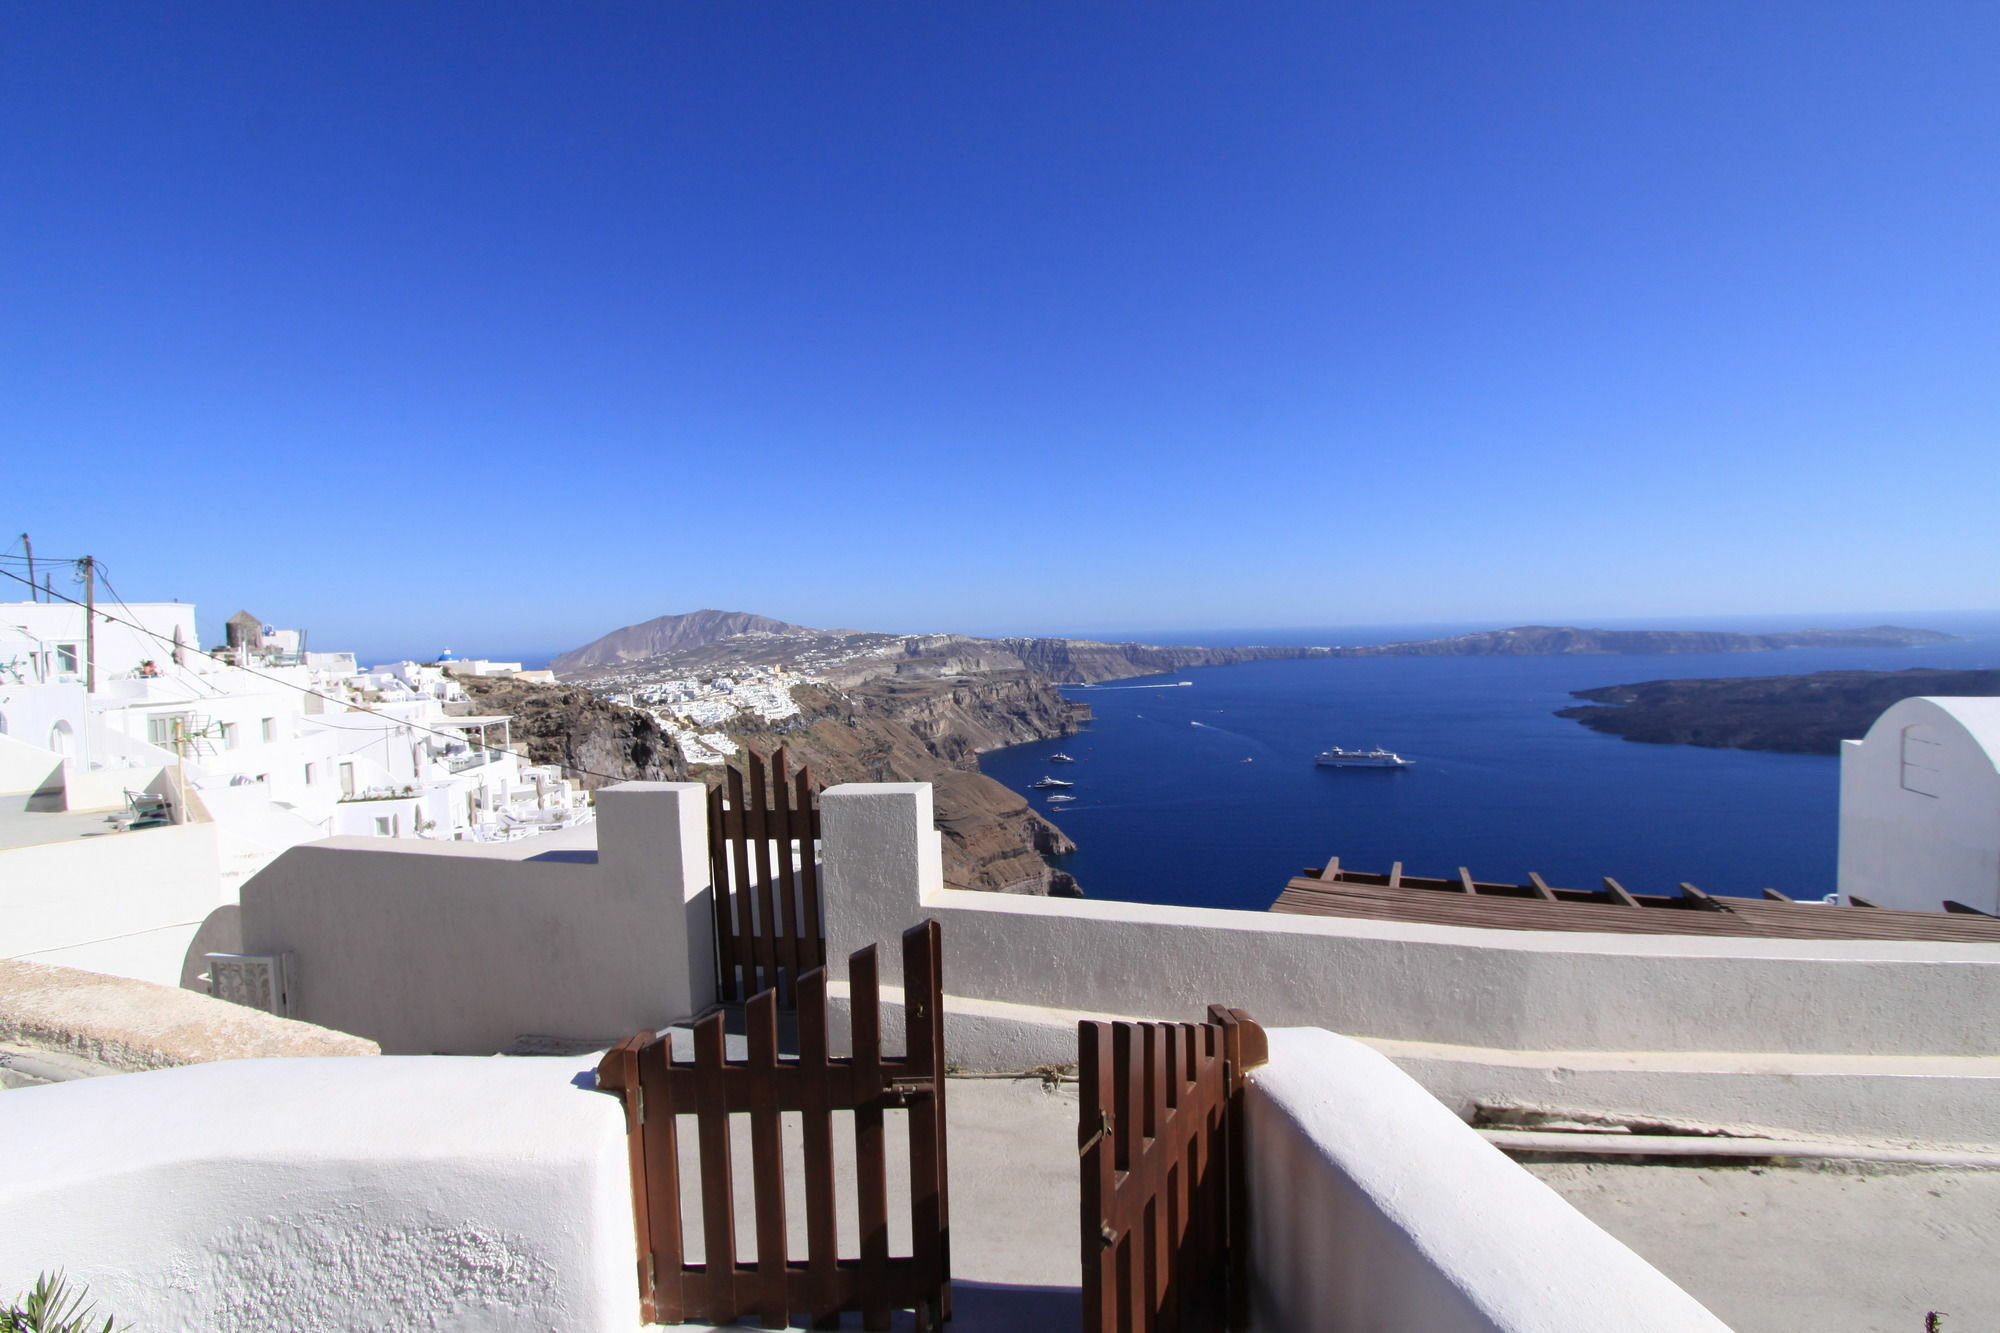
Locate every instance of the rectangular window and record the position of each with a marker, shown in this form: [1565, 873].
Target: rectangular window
[270, 730]
[227, 732]
[312, 774]
[382, 826]
[69, 660]
[166, 730]
[347, 779]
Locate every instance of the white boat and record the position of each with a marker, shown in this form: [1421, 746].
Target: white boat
[1375, 758]
[1051, 782]
[1055, 799]
[1060, 758]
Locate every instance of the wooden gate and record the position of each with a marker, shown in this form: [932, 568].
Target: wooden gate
[772, 1285]
[761, 836]
[1163, 1209]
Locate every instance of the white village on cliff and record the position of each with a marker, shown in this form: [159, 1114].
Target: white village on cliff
[267, 917]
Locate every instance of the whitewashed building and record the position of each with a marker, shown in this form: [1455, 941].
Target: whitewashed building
[1920, 806]
[221, 761]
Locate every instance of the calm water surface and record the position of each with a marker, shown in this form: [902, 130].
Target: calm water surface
[1207, 794]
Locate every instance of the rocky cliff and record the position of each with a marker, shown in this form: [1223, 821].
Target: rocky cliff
[896, 729]
[1795, 714]
[564, 724]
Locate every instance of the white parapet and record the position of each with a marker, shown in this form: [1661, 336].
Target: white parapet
[881, 858]
[459, 948]
[247, 1195]
[1373, 1207]
[1504, 990]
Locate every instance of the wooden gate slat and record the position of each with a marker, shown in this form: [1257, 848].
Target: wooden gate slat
[923, 1026]
[871, 1182]
[823, 1299]
[767, 1163]
[728, 936]
[813, 926]
[661, 1141]
[783, 881]
[1098, 1146]
[713, 1295]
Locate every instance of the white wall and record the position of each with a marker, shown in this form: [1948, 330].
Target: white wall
[1373, 1208]
[125, 903]
[28, 769]
[1920, 806]
[1510, 990]
[459, 947]
[119, 648]
[249, 1195]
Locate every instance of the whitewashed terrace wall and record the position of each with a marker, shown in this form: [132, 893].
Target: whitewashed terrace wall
[446, 947]
[250, 1195]
[1372, 1207]
[129, 904]
[459, 948]
[1509, 990]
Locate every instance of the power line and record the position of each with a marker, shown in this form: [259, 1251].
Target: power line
[312, 693]
[213, 690]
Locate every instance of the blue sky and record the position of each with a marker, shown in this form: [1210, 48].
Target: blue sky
[501, 325]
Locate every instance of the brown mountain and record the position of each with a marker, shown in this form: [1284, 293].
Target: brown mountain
[669, 634]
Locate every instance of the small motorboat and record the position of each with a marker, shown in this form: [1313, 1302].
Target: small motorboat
[1060, 758]
[1051, 782]
[1054, 800]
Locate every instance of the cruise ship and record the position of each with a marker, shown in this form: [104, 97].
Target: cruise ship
[1376, 758]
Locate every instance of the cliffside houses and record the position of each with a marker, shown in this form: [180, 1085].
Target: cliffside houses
[692, 709]
[221, 761]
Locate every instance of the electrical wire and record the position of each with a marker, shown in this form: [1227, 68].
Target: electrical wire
[328, 698]
[103, 573]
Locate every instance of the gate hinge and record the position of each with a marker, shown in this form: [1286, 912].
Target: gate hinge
[1103, 1132]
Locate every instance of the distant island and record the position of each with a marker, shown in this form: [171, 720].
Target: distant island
[1791, 714]
[1548, 640]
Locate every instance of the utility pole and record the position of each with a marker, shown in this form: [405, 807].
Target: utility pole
[29, 547]
[89, 624]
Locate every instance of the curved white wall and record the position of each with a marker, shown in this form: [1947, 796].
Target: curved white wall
[249, 1195]
[1920, 806]
[1373, 1207]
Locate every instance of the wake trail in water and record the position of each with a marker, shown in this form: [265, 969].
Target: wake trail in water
[1169, 685]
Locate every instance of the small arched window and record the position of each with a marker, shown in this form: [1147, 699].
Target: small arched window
[1922, 761]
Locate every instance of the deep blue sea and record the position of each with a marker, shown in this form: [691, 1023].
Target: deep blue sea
[1207, 795]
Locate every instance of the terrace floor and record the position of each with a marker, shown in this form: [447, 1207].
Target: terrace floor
[1812, 1247]
[22, 827]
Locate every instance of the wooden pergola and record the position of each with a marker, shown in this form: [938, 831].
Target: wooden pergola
[1611, 909]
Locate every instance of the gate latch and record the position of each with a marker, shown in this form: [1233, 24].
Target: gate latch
[904, 1091]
